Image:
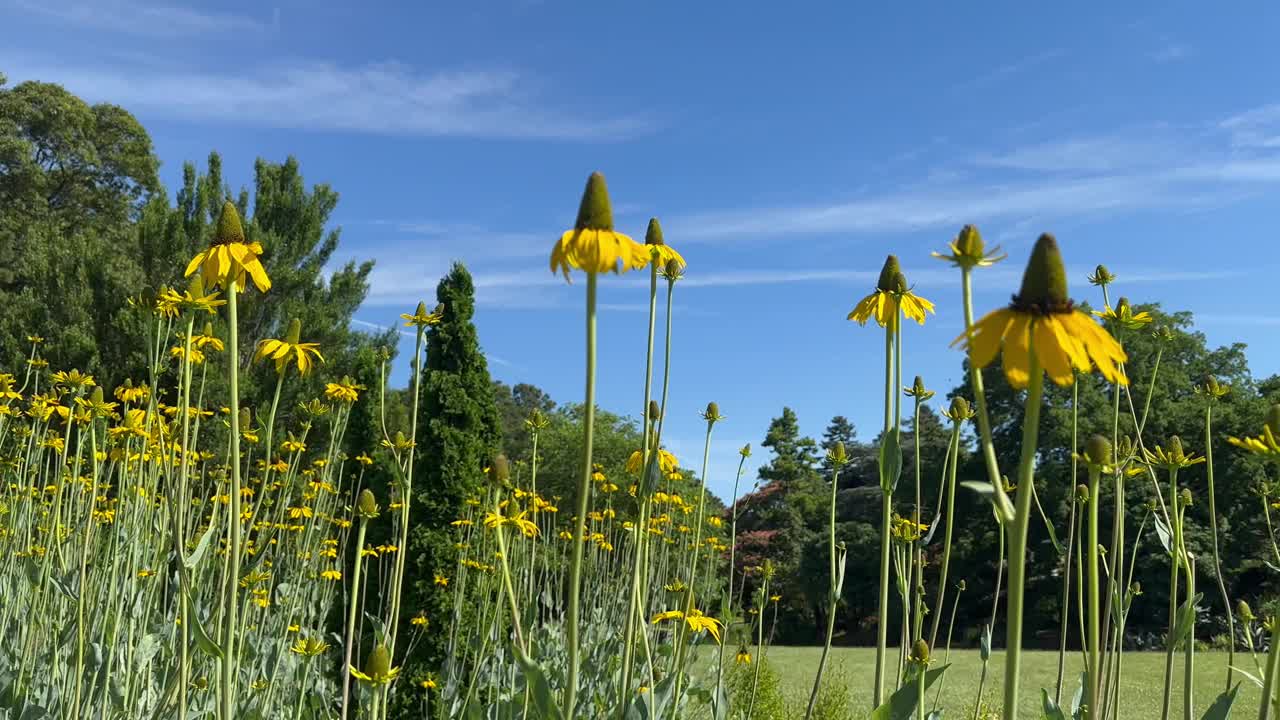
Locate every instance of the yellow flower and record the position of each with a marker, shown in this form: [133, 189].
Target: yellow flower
[229, 257]
[418, 620]
[743, 657]
[332, 574]
[364, 459]
[593, 245]
[309, 647]
[527, 527]
[290, 349]
[696, 621]
[660, 253]
[666, 462]
[1042, 322]
[127, 393]
[170, 301]
[1172, 458]
[1124, 316]
[346, 390]
[421, 318]
[428, 683]
[377, 669]
[146, 573]
[73, 379]
[968, 250]
[891, 294]
[441, 580]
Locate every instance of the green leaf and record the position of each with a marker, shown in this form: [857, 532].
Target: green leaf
[544, 705]
[202, 547]
[890, 460]
[1051, 709]
[1053, 535]
[198, 633]
[902, 704]
[1221, 707]
[984, 643]
[1185, 621]
[1163, 532]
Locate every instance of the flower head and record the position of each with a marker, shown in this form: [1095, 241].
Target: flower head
[660, 253]
[290, 349]
[229, 257]
[696, 621]
[1124, 316]
[890, 295]
[377, 669]
[1042, 323]
[421, 318]
[1101, 276]
[968, 250]
[593, 245]
[1173, 457]
[345, 390]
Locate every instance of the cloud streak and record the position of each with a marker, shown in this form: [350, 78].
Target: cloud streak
[137, 18]
[387, 98]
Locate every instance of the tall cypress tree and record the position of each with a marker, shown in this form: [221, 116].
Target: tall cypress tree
[458, 430]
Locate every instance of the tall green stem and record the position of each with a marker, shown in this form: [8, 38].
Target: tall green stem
[1174, 562]
[886, 508]
[1018, 540]
[353, 603]
[584, 499]
[406, 498]
[948, 523]
[836, 583]
[1217, 557]
[230, 613]
[1091, 596]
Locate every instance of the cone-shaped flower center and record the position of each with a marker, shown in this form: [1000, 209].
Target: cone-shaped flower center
[1044, 284]
[889, 274]
[228, 230]
[970, 242]
[653, 235]
[595, 212]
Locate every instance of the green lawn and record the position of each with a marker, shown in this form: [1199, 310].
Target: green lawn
[1141, 691]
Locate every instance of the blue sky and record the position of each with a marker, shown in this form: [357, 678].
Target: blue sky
[786, 148]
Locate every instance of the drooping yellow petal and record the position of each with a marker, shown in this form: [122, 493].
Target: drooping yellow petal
[984, 338]
[1051, 351]
[194, 264]
[1017, 351]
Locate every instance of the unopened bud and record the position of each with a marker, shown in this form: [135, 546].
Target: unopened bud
[961, 586]
[969, 242]
[1184, 497]
[888, 274]
[246, 418]
[959, 408]
[1082, 493]
[96, 396]
[294, 336]
[839, 456]
[920, 652]
[379, 663]
[1098, 450]
[367, 504]
[745, 451]
[1244, 611]
[655, 412]
[499, 470]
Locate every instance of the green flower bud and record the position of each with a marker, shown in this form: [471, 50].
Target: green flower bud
[961, 586]
[499, 470]
[653, 235]
[1102, 276]
[920, 652]
[838, 455]
[655, 412]
[196, 287]
[712, 413]
[208, 329]
[379, 663]
[246, 419]
[1244, 611]
[1044, 284]
[673, 270]
[889, 274]
[294, 336]
[959, 408]
[969, 242]
[228, 229]
[1122, 305]
[1098, 450]
[745, 451]
[1185, 498]
[1273, 419]
[367, 504]
[95, 397]
[1175, 446]
[595, 212]
[1135, 588]
[1082, 493]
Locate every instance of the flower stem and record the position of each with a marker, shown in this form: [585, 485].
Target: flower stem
[230, 614]
[584, 499]
[886, 508]
[835, 597]
[352, 604]
[949, 521]
[1018, 540]
[1094, 638]
[1217, 557]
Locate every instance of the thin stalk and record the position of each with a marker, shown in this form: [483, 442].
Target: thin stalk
[1174, 562]
[230, 614]
[1018, 540]
[406, 498]
[584, 498]
[1217, 557]
[352, 606]
[836, 582]
[886, 509]
[1094, 636]
[953, 459]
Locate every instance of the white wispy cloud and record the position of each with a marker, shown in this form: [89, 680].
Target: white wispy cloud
[1008, 70]
[1183, 168]
[137, 18]
[1170, 52]
[388, 98]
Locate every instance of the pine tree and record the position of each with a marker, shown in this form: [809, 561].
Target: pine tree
[458, 431]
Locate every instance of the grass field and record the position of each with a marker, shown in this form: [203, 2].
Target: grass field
[1141, 690]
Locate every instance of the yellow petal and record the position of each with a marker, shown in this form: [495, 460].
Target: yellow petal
[1050, 350]
[1017, 351]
